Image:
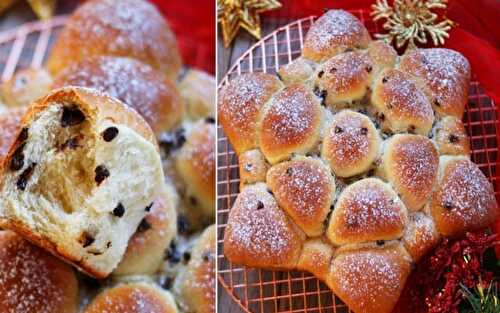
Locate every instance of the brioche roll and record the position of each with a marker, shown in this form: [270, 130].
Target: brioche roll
[197, 89]
[134, 83]
[451, 137]
[32, 280]
[124, 28]
[420, 235]
[25, 86]
[316, 257]
[298, 71]
[253, 167]
[382, 55]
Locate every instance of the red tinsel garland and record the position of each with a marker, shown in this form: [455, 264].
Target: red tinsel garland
[434, 286]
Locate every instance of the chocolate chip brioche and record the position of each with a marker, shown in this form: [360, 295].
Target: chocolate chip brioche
[353, 162]
[80, 176]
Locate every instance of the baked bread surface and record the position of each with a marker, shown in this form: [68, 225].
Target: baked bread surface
[353, 162]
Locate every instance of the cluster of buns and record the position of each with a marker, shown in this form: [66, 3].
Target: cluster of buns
[100, 153]
[353, 162]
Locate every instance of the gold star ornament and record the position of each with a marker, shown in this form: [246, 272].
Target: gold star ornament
[44, 9]
[236, 14]
[412, 21]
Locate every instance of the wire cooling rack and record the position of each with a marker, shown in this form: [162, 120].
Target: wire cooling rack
[258, 290]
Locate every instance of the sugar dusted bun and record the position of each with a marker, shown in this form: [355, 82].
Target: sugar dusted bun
[464, 200]
[136, 84]
[139, 297]
[195, 163]
[253, 167]
[344, 79]
[10, 120]
[112, 172]
[410, 163]
[259, 233]
[195, 284]
[382, 55]
[370, 279]
[290, 123]
[445, 72]
[298, 71]
[333, 33]
[146, 248]
[316, 257]
[451, 137]
[32, 280]
[367, 210]
[25, 86]
[351, 143]
[197, 91]
[126, 28]
[420, 235]
[239, 104]
[305, 189]
[400, 105]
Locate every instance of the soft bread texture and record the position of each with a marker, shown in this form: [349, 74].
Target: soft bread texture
[387, 133]
[112, 172]
[259, 233]
[10, 120]
[125, 28]
[351, 143]
[138, 297]
[25, 86]
[197, 91]
[370, 279]
[136, 84]
[464, 200]
[195, 163]
[194, 287]
[32, 280]
[146, 248]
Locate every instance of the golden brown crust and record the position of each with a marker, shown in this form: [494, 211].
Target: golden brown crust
[316, 257]
[351, 143]
[239, 104]
[252, 167]
[334, 32]
[451, 137]
[382, 55]
[400, 105]
[290, 124]
[134, 83]
[197, 89]
[420, 235]
[259, 233]
[445, 72]
[370, 280]
[33, 281]
[305, 189]
[10, 121]
[367, 210]
[464, 200]
[132, 298]
[127, 28]
[344, 78]
[411, 164]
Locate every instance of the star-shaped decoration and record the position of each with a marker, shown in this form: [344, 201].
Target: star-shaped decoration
[233, 14]
[44, 9]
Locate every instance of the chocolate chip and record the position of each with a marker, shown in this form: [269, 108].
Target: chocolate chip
[119, 210]
[384, 80]
[248, 167]
[338, 130]
[364, 130]
[71, 116]
[369, 68]
[109, 133]
[380, 242]
[148, 208]
[210, 120]
[436, 102]
[270, 192]
[173, 255]
[453, 138]
[25, 175]
[182, 224]
[172, 141]
[108, 244]
[86, 239]
[448, 205]
[193, 201]
[363, 111]
[411, 129]
[381, 116]
[348, 50]
[389, 106]
[207, 256]
[180, 137]
[289, 171]
[23, 135]
[17, 161]
[371, 172]
[260, 205]
[101, 173]
[333, 70]
[143, 226]
[71, 143]
[317, 91]
[320, 74]
[186, 256]
[167, 283]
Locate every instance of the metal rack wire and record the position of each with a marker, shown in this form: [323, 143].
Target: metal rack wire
[258, 290]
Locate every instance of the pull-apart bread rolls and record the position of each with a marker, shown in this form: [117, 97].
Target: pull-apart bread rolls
[125, 28]
[80, 176]
[353, 162]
